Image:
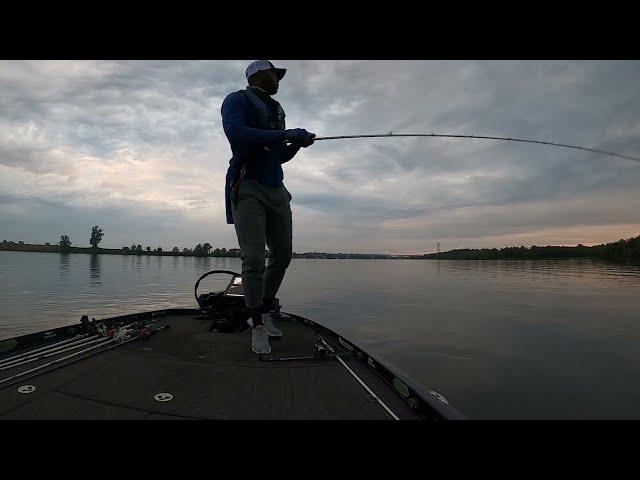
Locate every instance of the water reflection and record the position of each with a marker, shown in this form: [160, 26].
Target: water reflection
[65, 259]
[581, 273]
[94, 270]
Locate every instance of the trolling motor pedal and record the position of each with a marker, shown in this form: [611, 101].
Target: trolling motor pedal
[319, 349]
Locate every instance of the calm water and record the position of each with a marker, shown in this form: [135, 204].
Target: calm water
[500, 339]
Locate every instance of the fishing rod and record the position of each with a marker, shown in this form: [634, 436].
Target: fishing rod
[68, 342]
[62, 359]
[50, 353]
[481, 137]
[120, 338]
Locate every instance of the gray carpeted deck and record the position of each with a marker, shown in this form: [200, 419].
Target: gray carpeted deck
[210, 375]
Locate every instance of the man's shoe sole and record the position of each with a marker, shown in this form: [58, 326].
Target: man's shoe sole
[261, 353]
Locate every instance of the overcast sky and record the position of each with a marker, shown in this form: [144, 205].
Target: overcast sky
[138, 148]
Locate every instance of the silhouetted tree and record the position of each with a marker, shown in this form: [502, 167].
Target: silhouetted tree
[148, 249]
[65, 242]
[197, 251]
[223, 251]
[159, 249]
[216, 252]
[139, 249]
[206, 248]
[175, 250]
[96, 236]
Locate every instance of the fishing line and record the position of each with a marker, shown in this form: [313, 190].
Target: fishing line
[481, 137]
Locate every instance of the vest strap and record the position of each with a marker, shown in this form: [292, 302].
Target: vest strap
[265, 119]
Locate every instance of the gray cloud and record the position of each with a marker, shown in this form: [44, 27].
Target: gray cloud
[139, 146]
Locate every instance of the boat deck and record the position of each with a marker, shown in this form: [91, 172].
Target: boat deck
[210, 375]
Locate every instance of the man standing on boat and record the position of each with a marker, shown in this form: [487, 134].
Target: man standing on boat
[256, 200]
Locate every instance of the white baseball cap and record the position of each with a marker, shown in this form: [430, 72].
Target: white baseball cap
[259, 65]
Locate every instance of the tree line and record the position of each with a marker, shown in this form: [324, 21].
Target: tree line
[200, 250]
[622, 249]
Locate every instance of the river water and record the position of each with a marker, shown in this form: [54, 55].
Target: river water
[503, 339]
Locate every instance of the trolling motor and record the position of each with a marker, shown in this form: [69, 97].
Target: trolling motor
[226, 309]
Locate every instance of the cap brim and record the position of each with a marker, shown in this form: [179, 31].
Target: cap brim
[280, 72]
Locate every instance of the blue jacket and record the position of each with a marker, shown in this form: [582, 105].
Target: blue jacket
[248, 139]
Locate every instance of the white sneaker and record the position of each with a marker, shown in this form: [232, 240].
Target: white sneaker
[260, 340]
[272, 330]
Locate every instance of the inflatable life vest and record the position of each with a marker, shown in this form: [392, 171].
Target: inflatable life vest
[264, 119]
[263, 113]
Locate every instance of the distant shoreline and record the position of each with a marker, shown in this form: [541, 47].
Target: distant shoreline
[329, 256]
[104, 251]
[622, 249]
[232, 253]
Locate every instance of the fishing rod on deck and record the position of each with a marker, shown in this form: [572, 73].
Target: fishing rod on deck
[481, 137]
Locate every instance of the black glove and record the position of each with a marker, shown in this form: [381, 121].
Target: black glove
[299, 137]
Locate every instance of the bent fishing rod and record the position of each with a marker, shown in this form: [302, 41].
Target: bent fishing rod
[481, 137]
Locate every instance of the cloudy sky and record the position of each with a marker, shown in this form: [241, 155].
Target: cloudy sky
[137, 147]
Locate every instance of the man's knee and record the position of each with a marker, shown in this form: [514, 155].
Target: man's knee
[280, 258]
[253, 258]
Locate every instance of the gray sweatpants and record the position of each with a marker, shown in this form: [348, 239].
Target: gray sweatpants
[262, 215]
